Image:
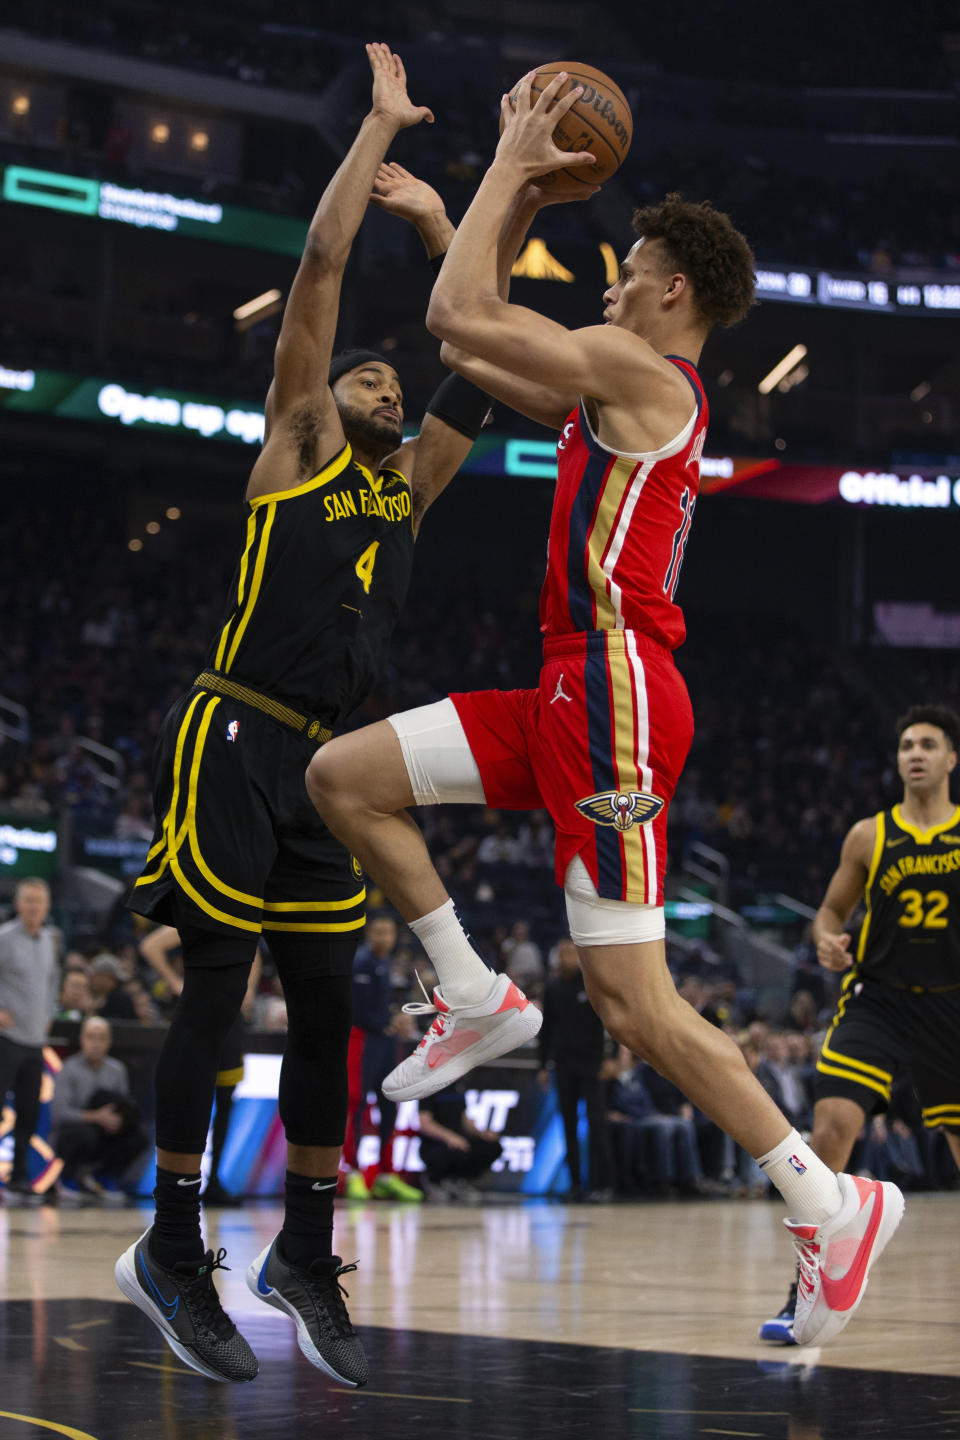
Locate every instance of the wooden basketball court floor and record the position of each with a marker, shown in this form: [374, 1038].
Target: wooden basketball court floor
[507, 1321]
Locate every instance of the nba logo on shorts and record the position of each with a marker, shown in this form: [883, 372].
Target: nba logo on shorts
[798, 1165]
[233, 729]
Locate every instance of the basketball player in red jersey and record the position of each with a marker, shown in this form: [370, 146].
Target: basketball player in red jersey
[603, 739]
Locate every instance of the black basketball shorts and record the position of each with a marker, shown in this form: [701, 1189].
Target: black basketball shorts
[878, 1032]
[238, 846]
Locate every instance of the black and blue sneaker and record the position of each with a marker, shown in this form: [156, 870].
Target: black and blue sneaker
[313, 1298]
[779, 1330]
[184, 1305]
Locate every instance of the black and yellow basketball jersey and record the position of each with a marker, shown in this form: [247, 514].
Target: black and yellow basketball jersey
[911, 933]
[318, 588]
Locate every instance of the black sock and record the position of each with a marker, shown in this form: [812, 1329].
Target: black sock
[307, 1233]
[176, 1229]
[221, 1123]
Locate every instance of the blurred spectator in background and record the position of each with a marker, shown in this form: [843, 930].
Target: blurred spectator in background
[890, 1152]
[572, 1042]
[803, 1012]
[454, 1152]
[789, 1083]
[652, 1142]
[747, 1179]
[96, 1122]
[29, 979]
[371, 1057]
[522, 959]
[109, 997]
[143, 1006]
[76, 1000]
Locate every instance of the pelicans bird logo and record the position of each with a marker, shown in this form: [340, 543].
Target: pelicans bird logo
[621, 808]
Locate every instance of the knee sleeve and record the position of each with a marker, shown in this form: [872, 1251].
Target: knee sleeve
[439, 761]
[596, 921]
[187, 1068]
[313, 1077]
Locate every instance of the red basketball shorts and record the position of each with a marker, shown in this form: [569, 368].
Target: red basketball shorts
[600, 745]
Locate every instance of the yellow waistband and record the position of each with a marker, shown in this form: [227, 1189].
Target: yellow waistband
[307, 725]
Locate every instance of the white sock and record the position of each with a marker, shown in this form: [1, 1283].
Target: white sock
[462, 975]
[808, 1186]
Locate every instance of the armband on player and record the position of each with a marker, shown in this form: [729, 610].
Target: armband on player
[460, 405]
[456, 402]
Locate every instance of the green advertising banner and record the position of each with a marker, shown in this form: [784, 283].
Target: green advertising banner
[153, 210]
[28, 847]
[78, 397]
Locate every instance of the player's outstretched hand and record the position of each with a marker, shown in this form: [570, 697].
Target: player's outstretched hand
[527, 140]
[400, 193]
[390, 89]
[832, 952]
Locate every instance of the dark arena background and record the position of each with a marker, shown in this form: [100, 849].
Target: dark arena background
[159, 165]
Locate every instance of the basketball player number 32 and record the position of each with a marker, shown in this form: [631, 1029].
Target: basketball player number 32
[931, 919]
[364, 566]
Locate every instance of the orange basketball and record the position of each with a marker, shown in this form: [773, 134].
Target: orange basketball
[600, 122]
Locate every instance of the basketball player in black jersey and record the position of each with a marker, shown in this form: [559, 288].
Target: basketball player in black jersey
[899, 1007]
[334, 502]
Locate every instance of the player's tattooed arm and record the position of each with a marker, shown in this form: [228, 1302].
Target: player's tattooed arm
[305, 344]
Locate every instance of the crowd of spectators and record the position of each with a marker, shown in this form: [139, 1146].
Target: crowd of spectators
[792, 743]
[646, 1140]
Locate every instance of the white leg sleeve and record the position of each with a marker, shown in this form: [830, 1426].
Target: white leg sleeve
[440, 764]
[595, 921]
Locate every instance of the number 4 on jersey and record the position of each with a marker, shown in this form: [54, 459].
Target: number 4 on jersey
[364, 566]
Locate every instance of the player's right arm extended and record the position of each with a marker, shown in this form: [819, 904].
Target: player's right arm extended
[542, 403]
[843, 893]
[305, 345]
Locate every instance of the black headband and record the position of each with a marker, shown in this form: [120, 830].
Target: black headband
[352, 360]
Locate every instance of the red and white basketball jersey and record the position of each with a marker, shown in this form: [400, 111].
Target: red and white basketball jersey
[619, 529]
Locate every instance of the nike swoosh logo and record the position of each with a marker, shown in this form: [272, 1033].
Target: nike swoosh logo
[169, 1308]
[331, 1186]
[459, 1040]
[841, 1294]
[902, 841]
[262, 1285]
[181, 1181]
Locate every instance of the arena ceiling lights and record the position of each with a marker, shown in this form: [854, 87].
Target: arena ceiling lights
[782, 369]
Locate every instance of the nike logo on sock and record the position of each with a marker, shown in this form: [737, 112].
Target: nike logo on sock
[330, 1185]
[183, 1181]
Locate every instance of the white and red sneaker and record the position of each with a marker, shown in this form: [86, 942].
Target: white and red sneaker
[461, 1037]
[834, 1259]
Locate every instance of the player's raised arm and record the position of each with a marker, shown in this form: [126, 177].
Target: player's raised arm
[310, 318]
[456, 413]
[466, 308]
[545, 404]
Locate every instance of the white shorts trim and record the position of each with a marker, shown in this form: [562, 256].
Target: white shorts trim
[596, 921]
[440, 763]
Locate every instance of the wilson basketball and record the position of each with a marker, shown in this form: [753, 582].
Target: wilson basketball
[600, 122]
